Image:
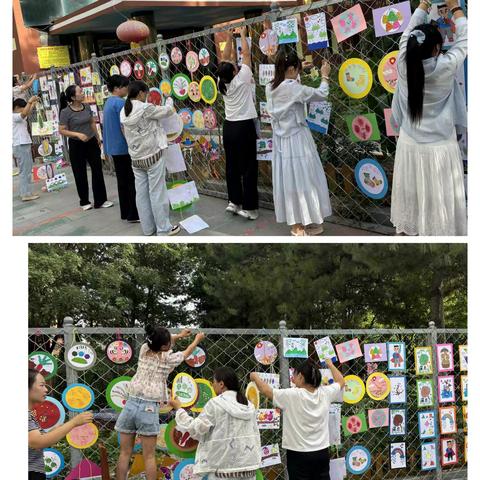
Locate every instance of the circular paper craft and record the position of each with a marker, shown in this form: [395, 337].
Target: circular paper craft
[180, 86]
[192, 61]
[198, 121]
[114, 70]
[358, 460]
[78, 397]
[164, 61]
[81, 356]
[137, 446]
[355, 78]
[45, 149]
[204, 57]
[83, 436]
[44, 363]
[138, 69]
[185, 389]
[54, 462]
[205, 393]
[161, 437]
[378, 386]
[166, 88]
[176, 55]
[180, 444]
[151, 68]
[194, 92]
[155, 96]
[362, 128]
[209, 118]
[126, 68]
[198, 357]
[265, 352]
[268, 42]
[354, 389]
[392, 20]
[173, 126]
[253, 394]
[371, 178]
[208, 89]
[184, 471]
[49, 414]
[186, 116]
[387, 71]
[119, 352]
[117, 392]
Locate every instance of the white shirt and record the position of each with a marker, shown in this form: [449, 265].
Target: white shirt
[239, 101]
[305, 417]
[20, 131]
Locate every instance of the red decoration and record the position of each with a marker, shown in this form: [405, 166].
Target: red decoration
[132, 31]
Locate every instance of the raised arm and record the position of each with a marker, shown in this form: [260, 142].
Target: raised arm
[227, 52]
[458, 52]
[247, 57]
[183, 334]
[158, 113]
[28, 83]
[263, 387]
[29, 107]
[189, 350]
[336, 374]
[310, 94]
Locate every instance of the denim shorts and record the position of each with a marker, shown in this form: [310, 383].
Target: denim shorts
[140, 417]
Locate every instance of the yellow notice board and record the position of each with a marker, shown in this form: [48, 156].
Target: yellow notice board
[53, 56]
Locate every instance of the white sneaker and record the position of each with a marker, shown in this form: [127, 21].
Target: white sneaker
[232, 208]
[250, 214]
[88, 206]
[174, 231]
[106, 204]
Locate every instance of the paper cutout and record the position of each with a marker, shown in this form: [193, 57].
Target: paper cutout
[194, 92]
[178, 443]
[445, 361]
[183, 195]
[363, 128]
[375, 352]
[44, 363]
[448, 420]
[194, 224]
[180, 86]
[391, 19]
[185, 389]
[85, 470]
[268, 42]
[164, 61]
[271, 379]
[175, 161]
[319, 116]
[316, 28]
[264, 149]
[117, 392]
[448, 451]
[126, 68]
[392, 127]
[209, 118]
[81, 356]
[464, 387]
[265, 352]
[355, 78]
[442, 16]
[58, 182]
[176, 55]
[119, 352]
[270, 455]
[78, 397]
[49, 414]
[348, 350]
[427, 425]
[429, 456]
[463, 354]
[423, 361]
[398, 455]
[138, 69]
[186, 116]
[54, 462]
[268, 418]
[425, 393]
[295, 347]
[396, 355]
[371, 178]
[192, 61]
[387, 71]
[358, 460]
[204, 57]
[286, 30]
[166, 88]
[378, 386]
[253, 394]
[85, 76]
[83, 436]
[378, 418]
[354, 424]
[205, 393]
[151, 68]
[266, 73]
[265, 117]
[324, 349]
[354, 389]
[114, 70]
[349, 23]
[208, 89]
[398, 421]
[197, 119]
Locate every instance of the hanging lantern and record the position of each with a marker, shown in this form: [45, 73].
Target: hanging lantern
[132, 31]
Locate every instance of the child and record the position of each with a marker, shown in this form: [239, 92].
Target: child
[147, 393]
[300, 190]
[227, 431]
[22, 145]
[147, 145]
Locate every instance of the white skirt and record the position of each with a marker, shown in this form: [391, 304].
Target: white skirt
[300, 190]
[428, 193]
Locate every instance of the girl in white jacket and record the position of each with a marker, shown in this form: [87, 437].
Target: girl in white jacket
[227, 431]
[147, 146]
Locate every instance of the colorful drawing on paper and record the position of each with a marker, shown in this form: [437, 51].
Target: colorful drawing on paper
[208, 89]
[266, 73]
[371, 368]
[54, 462]
[192, 61]
[78, 397]
[166, 88]
[155, 96]
[238, 42]
[445, 361]
[354, 389]
[398, 455]
[378, 386]
[295, 347]
[265, 117]
[423, 361]
[375, 352]
[44, 363]
[391, 125]
[358, 460]
[429, 456]
[425, 393]
[184, 470]
[178, 443]
[138, 70]
[42, 130]
[176, 55]
[398, 390]
[119, 352]
[89, 93]
[205, 393]
[387, 71]
[396, 356]
[464, 387]
[197, 358]
[398, 421]
[324, 349]
[186, 116]
[182, 195]
[363, 128]
[286, 30]
[253, 395]
[81, 356]
[180, 86]
[117, 392]
[83, 436]
[445, 23]
[271, 379]
[316, 28]
[185, 389]
[114, 70]
[151, 68]
[194, 92]
[49, 414]
[209, 118]
[446, 389]
[354, 424]
[197, 119]
[355, 78]
[448, 420]
[427, 425]
[125, 68]
[265, 352]
[349, 23]
[164, 61]
[270, 455]
[58, 182]
[463, 355]
[391, 19]
[268, 418]
[204, 57]
[264, 149]
[268, 42]
[85, 76]
[378, 418]
[348, 350]
[448, 451]
[319, 116]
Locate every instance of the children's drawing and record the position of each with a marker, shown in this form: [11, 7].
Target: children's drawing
[354, 424]
[398, 421]
[396, 356]
[209, 118]
[271, 379]
[349, 23]
[398, 455]
[464, 387]
[194, 93]
[378, 418]
[463, 354]
[387, 71]
[268, 42]
[348, 350]
[319, 116]
[89, 93]
[119, 352]
[176, 55]
[54, 462]
[81, 356]
[295, 347]
[50, 413]
[205, 393]
[151, 68]
[391, 126]
[371, 368]
[354, 389]
[238, 42]
[358, 459]
[378, 386]
[83, 436]
[423, 361]
[58, 182]
[78, 397]
[85, 76]
[204, 57]
[375, 352]
[316, 27]
[186, 116]
[355, 78]
[208, 89]
[266, 72]
[363, 128]
[175, 162]
[42, 129]
[180, 86]
[44, 84]
[126, 68]
[185, 389]
[265, 352]
[429, 456]
[371, 178]
[117, 392]
[265, 117]
[448, 420]
[253, 394]
[427, 425]
[398, 390]
[184, 470]
[138, 69]
[448, 451]
[197, 358]
[270, 455]
[445, 361]
[446, 389]
[265, 149]
[445, 23]
[286, 30]
[268, 418]
[425, 393]
[164, 61]
[183, 195]
[44, 363]
[325, 349]
[192, 61]
[391, 19]
[52, 91]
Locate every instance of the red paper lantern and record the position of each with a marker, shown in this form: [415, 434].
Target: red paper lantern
[132, 31]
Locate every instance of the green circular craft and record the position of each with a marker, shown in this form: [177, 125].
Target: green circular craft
[178, 443]
[117, 392]
[44, 363]
[180, 83]
[208, 89]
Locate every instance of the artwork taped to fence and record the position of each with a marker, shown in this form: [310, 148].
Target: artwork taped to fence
[398, 421]
[316, 28]
[270, 455]
[54, 462]
[375, 352]
[425, 393]
[378, 418]
[427, 424]
[349, 23]
[391, 19]
[423, 361]
[398, 455]
[358, 459]
[268, 418]
[295, 347]
[286, 30]
[398, 390]
[319, 116]
[429, 456]
[354, 424]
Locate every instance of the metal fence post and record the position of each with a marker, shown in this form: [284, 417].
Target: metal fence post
[284, 372]
[71, 376]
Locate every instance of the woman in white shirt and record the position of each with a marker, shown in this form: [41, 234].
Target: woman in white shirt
[239, 130]
[428, 193]
[305, 411]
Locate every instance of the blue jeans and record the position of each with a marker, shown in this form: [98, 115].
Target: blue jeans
[23, 154]
[140, 417]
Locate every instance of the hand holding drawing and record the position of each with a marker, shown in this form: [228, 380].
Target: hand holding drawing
[337, 376]
[263, 387]
[175, 403]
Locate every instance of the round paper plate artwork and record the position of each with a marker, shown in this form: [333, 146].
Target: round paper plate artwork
[119, 352]
[253, 394]
[81, 356]
[204, 57]
[355, 78]
[192, 61]
[83, 436]
[166, 88]
[151, 68]
[114, 70]
[155, 96]
[180, 86]
[194, 92]
[164, 61]
[268, 42]
[49, 414]
[198, 357]
[138, 70]
[185, 389]
[205, 393]
[126, 68]
[186, 116]
[371, 178]
[208, 89]
[184, 471]
[45, 148]
[265, 352]
[176, 55]
[117, 392]
[358, 460]
[354, 389]
[387, 71]
[209, 118]
[198, 122]
[78, 397]
[180, 444]
[378, 386]
[54, 462]
[44, 363]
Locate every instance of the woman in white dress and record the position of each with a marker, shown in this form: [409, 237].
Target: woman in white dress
[300, 190]
[428, 193]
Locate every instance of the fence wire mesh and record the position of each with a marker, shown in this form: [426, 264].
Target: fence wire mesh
[234, 348]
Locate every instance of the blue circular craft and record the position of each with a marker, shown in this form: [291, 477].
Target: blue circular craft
[54, 462]
[358, 460]
[137, 447]
[80, 393]
[177, 473]
[371, 178]
[187, 117]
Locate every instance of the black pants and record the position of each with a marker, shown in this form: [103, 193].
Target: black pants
[240, 142]
[80, 154]
[126, 187]
[308, 465]
[36, 476]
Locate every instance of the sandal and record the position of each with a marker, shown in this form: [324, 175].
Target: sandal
[298, 233]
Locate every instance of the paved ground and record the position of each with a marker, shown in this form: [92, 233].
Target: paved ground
[58, 213]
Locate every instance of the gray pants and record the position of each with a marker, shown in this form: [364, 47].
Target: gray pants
[152, 199]
[23, 154]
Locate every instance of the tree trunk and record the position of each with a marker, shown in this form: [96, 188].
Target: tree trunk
[436, 301]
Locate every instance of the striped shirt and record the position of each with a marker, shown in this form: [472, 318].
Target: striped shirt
[35, 456]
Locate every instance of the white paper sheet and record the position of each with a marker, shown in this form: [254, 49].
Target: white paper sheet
[175, 160]
[183, 195]
[194, 224]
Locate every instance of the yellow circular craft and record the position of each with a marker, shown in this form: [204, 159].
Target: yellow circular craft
[378, 386]
[354, 389]
[205, 393]
[208, 89]
[185, 389]
[83, 436]
[355, 78]
[253, 395]
[387, 71]
[78, 397]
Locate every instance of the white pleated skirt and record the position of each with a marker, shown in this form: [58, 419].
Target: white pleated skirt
[300, 190]
[428, 192]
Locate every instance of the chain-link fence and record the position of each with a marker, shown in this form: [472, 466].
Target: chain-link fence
[235, 349]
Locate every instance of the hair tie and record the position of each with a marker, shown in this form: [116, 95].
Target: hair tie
[419, 35]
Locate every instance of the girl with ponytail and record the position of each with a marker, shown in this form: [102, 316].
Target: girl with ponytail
[428, 194]
[300, 190]
[226, 426]
[305, 411]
